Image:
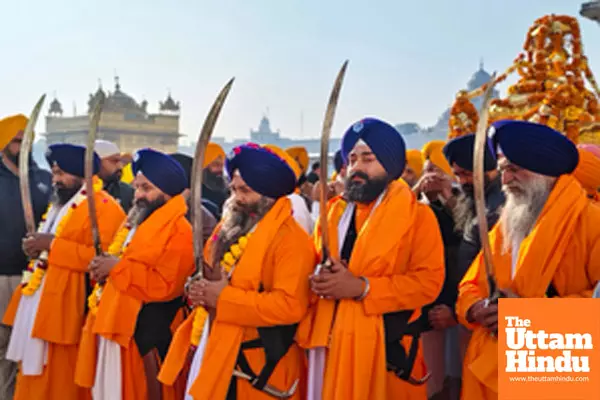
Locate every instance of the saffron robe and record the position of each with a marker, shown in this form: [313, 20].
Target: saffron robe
[399, 250]
[153, 268]
[563, 248]
[280, 255]
[60, 315]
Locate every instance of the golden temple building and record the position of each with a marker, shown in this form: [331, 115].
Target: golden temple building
[124, 121]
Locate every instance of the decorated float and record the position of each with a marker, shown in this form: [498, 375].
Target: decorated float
[556, 86]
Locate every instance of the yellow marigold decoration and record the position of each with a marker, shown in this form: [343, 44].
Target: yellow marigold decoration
[37, 268]
[116, 249]
[228, 261]
[551, 89]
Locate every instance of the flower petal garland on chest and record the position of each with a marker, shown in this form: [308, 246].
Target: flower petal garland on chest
[36, 269]
[116, 249]
[229, 260]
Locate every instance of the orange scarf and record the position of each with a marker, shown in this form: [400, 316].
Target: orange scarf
[357, 343]
[588, 173]
[217, 366]
[539, 256]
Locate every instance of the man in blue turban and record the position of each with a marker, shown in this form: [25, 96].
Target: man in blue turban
[149, 269]
[258, 263]
[387, 261]
[545, 244]
[47, 323]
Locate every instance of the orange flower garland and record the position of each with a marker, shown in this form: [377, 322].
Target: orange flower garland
[116, 249]
[551, 89]
[228, 261]
[37, 268]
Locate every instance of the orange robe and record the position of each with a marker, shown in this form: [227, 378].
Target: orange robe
[563, 249]
[60, 315]
[153, 268]
[280, 255]
[399, 249]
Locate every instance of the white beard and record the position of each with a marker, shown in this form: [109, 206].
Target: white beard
[522, 209]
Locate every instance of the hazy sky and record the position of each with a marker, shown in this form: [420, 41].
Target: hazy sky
[407, 58]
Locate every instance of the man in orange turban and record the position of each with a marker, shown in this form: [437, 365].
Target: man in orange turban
[414, 167]
[48, 312]
[258, 263]
[12, 228]
[588, 170]
[214, 185]
[546, 243]
[387, 263]
[9, 127]
[299, 208]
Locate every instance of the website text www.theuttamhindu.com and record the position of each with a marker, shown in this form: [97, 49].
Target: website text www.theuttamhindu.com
[534, 379]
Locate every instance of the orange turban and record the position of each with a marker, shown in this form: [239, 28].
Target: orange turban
[212, 152]
[286, 157]
[588, 169]
[414, 159]
[432, 151]
[9, 127]
[299, 154]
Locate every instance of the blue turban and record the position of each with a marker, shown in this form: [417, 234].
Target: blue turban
[460, 151]
[262, 170]
[383, 139]
[70, 158]
[338, 161]
[535, 147]
[162, 170]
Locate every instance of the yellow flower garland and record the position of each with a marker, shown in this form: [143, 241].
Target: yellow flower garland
[37, 268]
[116, 249]
[227, 262]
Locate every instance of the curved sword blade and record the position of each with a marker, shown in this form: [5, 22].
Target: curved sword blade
[325, 134]
[89, 171]
[197, 167]
[26, 146]
[479, 185]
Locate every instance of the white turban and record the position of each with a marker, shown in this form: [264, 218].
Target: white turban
[106, 149]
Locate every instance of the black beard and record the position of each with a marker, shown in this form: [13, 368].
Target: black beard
[63, 194]
[116, 177]
[14, 158]
[365, 192]
[148, 207]
[238, 220]
[213, 181]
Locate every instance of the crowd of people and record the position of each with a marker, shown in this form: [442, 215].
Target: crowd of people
[388, 299]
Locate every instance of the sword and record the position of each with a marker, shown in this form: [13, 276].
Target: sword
[26, 145]
[196, 189]
[479, 189]
[325, 134]
[89, 171]
[596, 294]
[268, 389]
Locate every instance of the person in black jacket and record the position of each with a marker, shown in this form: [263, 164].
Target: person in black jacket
[111, 171]
[12, 229]
[453, 203]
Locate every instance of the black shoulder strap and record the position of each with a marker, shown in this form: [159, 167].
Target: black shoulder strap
[276, 341]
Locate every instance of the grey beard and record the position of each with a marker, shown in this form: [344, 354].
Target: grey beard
[521, 212]
[463, 213]
[236, 224]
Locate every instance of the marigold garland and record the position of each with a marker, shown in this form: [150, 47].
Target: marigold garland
[228, 261]
[32, 278]
[116, 249]
[551, 89]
